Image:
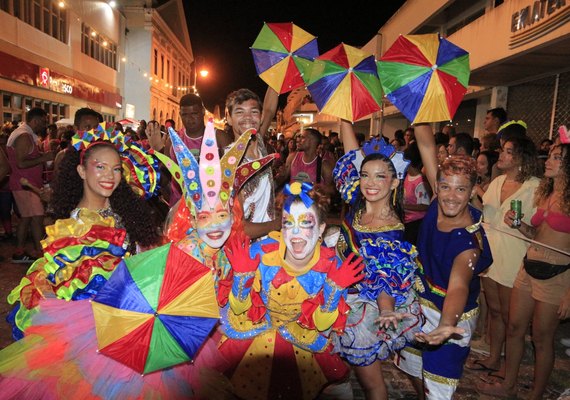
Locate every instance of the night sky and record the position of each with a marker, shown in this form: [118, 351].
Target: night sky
[223, 31]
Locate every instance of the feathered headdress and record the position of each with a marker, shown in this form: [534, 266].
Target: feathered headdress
[140, 169]
[212, 179]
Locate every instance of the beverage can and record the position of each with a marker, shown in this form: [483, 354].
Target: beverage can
[516, 206]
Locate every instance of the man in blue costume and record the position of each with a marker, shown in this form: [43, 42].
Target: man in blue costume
[453, 250]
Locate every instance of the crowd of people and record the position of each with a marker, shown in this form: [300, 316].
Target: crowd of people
[426, 242]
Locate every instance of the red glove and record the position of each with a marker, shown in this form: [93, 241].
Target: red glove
[237, 251]
[349, 272]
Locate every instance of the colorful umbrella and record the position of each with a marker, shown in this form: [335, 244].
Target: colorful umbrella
[283, 54]
[344, 83]
[425, 77]
[156, 309]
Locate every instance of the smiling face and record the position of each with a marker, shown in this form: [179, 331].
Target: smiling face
[453, 194]
[101, 172]
[301, 229]
[377, 181]
[245, 116]
[214, 227]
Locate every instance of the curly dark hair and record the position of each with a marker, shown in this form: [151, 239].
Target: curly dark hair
[68, 192]
[546, 186]
[524, 149]
[398, 205]
[321, 201]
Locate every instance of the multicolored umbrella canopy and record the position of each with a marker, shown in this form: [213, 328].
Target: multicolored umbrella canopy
[425, 77]
[344, 83]
[156, 309]
[283, 54]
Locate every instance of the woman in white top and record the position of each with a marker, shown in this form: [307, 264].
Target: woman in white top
[518, 162]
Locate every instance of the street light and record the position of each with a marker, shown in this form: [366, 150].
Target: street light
[199, 62]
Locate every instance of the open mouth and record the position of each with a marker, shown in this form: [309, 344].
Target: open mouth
[107, 185]
[217, 235]
[298, 245]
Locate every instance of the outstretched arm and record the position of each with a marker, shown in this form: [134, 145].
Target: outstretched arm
[455, 299]
[426, 145]
[348, 136]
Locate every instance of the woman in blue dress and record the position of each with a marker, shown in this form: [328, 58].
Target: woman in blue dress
[385, 313]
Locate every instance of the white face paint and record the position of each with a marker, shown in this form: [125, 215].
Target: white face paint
[214, 227]
[301, 229]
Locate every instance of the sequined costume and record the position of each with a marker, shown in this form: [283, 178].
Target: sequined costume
[390, 268]
[276, 336]
[442, 367]
[80, 253]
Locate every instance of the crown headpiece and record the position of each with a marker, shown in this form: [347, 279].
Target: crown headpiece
[140, 169]
[379, 145]
[213, 179]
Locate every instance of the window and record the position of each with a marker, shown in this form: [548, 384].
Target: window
[155, 62]
[168, 71]
[14, 107]
[44, 15]
[161, 66]
[98, 47]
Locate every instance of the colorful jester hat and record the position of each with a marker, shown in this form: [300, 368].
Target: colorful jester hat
[140, 169]
[379, 145]
[213, 179]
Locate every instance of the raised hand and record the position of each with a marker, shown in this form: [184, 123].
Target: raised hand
[237, 251]
[348, 273]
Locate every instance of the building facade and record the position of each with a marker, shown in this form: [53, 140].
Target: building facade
[61, 56]
[159, 66]
[518, 49]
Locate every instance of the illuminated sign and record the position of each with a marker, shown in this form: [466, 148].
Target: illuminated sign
[538, 19]
[43, 78]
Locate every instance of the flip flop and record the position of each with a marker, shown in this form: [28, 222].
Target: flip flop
[477, 365]
[496, 390]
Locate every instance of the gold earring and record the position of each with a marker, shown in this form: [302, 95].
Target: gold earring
[394, 198]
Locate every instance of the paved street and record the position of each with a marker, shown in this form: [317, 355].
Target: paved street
[399, 387]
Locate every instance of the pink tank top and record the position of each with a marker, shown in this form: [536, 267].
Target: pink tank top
[33, 174]
[302, 171]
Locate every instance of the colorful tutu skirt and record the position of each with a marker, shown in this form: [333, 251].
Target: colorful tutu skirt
[58, 359]
[364, 342]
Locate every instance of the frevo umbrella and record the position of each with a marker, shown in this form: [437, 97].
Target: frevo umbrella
[283, 54]
[344, 83]
[156, 310]
[425, 77]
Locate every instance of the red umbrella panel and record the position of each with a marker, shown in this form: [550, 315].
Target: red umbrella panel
[344, 83]
[283, 55]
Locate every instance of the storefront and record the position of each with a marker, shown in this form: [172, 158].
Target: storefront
[24, 85]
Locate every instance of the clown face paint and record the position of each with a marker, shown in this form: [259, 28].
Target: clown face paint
[214, 227]
[301, 229]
